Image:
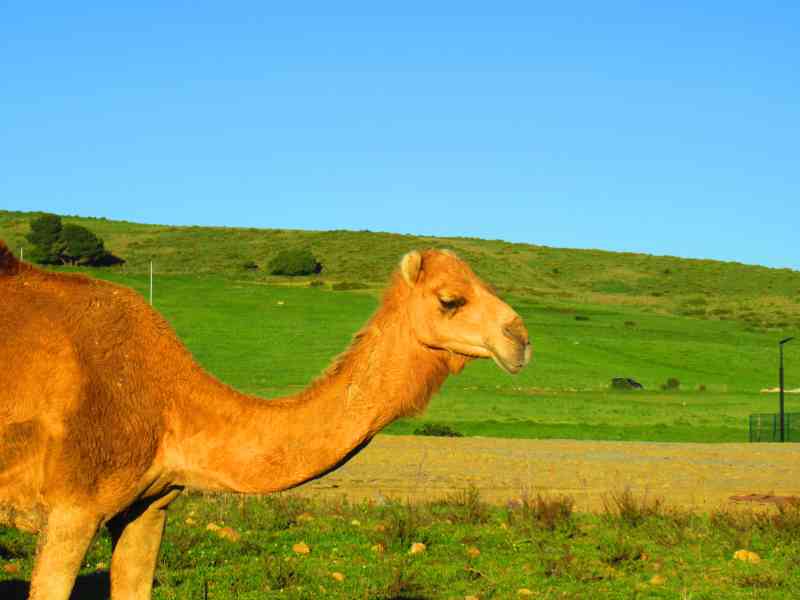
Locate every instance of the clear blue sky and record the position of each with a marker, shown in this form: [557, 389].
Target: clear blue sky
[667, 128]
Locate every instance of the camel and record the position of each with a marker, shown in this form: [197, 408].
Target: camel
[105, 417]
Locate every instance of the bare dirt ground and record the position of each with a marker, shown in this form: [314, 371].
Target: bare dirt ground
[700, 477]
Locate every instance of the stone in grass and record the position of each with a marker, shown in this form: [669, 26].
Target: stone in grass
[417, 548]
[338, 576]
[230, 534]
[301, 548]
[658, 580]
[747, 556]
[473, 552]
[524, 592]
[226, 533]
[305, 517]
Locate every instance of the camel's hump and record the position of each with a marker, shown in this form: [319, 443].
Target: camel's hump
[9, 265]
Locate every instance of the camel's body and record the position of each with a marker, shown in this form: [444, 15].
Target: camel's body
[105, 416]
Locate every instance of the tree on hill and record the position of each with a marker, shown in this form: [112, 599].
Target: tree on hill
[45, 237]
[55, 243]
[81, 246]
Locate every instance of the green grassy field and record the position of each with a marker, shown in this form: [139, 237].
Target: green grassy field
[636, 549]
[250, 335]
[761, 298]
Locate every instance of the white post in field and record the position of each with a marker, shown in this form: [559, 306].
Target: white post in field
[151, 283]
[21, 254]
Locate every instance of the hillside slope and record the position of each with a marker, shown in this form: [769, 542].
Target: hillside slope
[764, 298]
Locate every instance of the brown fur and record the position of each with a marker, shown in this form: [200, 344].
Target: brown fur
[105, 416]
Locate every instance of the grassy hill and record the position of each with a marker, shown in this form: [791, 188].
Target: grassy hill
[764, 299]
[592, 316]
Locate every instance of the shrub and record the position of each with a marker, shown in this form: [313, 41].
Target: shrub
[581, 318]
[316, 283]
[45, 237]
[294, 262]
[81, 246]
[54, 243]
[437, 429]
[671, 384]
[349, 285]
[249, 265]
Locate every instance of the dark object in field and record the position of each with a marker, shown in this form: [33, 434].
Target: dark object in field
[671, 384]
[581, 318]
[625, 383]
[438, 429]
[349, 285]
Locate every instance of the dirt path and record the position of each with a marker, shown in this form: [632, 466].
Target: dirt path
[696, 476]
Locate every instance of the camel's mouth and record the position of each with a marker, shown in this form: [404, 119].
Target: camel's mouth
[516, 363]
[511, 363]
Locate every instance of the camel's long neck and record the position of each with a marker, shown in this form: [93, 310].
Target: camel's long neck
[230, 441]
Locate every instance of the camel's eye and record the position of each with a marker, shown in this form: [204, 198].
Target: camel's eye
[451, 303]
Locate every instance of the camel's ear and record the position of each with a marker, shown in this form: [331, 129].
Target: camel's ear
[410, 267]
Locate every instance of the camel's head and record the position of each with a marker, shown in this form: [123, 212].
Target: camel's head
[451, 309]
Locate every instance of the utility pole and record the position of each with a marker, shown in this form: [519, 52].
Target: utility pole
[780, 375]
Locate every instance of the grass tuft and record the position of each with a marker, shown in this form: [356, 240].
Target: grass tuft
[543, 511]
[633, 510]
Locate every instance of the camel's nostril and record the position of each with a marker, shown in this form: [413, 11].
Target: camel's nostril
[516, 331]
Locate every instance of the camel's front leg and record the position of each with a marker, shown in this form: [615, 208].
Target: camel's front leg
[136, 536]
[62, 545]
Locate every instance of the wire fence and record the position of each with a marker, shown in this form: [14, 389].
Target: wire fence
[766, 427]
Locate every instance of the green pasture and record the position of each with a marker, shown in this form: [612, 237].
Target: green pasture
[271, 340]
[287, 547]
[763, 299]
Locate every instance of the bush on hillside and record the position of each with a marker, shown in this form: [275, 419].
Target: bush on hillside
[294, 262]
[55, 243]
[45, 237]
[81, 246]
[250, 265]
[671, 384]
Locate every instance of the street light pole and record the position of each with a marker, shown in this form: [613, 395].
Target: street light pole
[780, 374]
